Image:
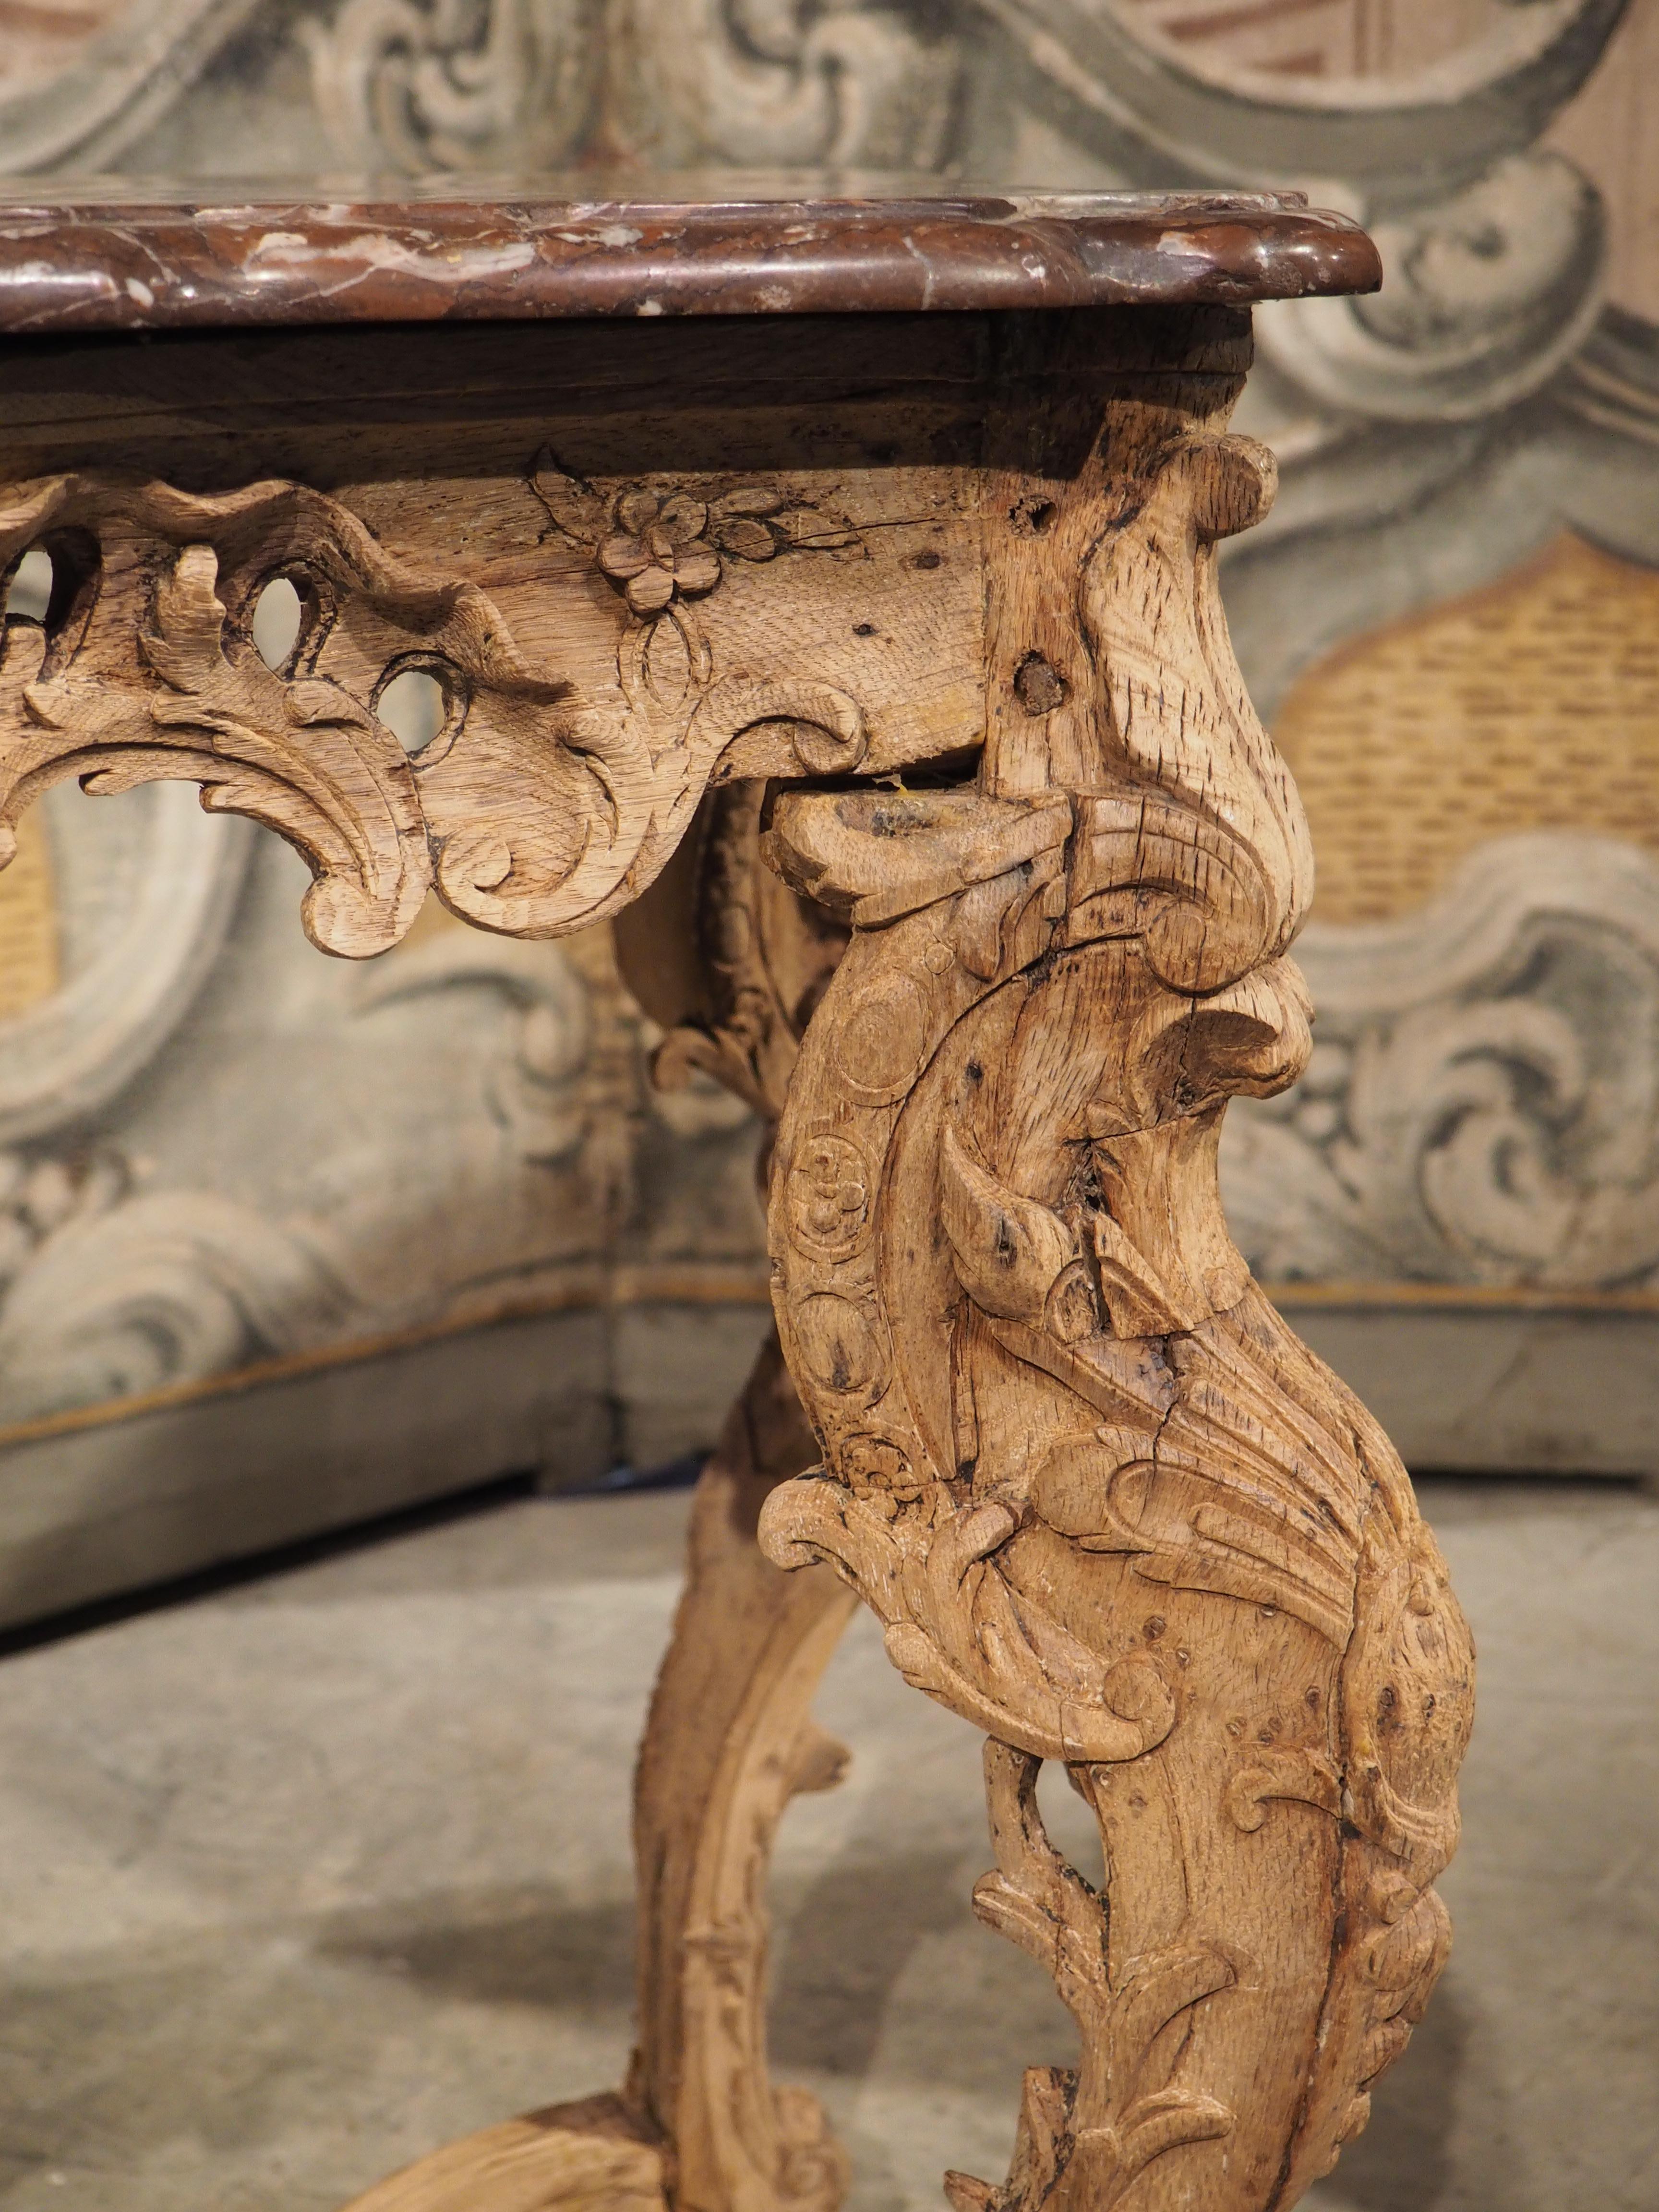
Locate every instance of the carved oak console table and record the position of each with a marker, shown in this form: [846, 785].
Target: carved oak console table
[828, 593]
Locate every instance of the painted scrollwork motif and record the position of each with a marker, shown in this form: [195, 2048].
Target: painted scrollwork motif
[117, 1293]
[759, 83]
[1482, 1106]
[1106, 1506]
[465, 84]
[453, 84]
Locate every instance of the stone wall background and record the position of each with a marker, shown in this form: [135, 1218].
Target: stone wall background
[283, 1241]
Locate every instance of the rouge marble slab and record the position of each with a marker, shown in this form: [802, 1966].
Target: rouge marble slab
[120, 255]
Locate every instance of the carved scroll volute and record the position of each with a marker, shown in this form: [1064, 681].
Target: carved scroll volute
[139, 673]
[1107, 1506]
[145, 668]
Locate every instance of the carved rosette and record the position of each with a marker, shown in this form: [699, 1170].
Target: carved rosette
[1108, 1507]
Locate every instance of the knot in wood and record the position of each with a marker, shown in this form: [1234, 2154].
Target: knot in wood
[1038, 687]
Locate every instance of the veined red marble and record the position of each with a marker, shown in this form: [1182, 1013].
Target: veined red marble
[118, 256]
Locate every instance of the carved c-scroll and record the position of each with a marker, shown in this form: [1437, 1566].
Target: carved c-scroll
[145, 669]
[534, 809]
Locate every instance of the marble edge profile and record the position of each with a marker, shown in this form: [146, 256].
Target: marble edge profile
[99, 264]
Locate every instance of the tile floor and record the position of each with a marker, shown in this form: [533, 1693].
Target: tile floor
[309, 1875]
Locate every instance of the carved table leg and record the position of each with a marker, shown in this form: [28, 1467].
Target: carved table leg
[729, 1740]
[1109, 1508]
[728, 1743]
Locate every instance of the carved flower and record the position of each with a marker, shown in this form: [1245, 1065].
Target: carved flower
[662, 546]
[755, 523]
[828, 1195]
[656, 550]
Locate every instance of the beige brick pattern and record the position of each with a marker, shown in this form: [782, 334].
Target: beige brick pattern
[29, 923]
[1532, 704]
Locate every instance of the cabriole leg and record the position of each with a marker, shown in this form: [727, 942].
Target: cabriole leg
[729, 1740]
[728, 1743]
[698, 2126]
[1108, 1507]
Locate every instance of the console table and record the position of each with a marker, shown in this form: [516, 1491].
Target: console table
[827, 592]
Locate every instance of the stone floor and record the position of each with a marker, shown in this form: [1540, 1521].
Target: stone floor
[309, 1875]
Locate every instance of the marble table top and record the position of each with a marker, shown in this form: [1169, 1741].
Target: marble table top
[119, 254]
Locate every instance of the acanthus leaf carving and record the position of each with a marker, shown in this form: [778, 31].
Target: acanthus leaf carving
[149, 674]
[535, 810]
[1086, 2135]
[305, 759]
[955, 1630]
[1153, 606]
